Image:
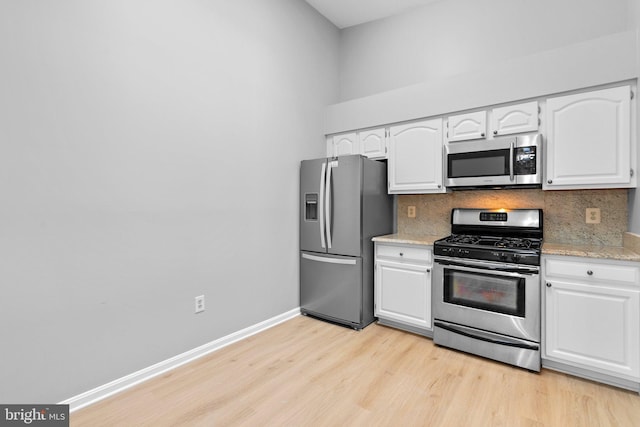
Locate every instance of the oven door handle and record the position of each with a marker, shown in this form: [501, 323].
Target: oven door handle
[508, 341]
[470, 265]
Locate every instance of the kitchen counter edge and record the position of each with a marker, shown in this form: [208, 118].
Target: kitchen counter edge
[411, 239]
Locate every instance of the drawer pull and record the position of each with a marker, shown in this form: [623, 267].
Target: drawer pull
[401, 254]
[548, 285]
[590, 273]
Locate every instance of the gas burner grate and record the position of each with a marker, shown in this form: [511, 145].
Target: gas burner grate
[513, 243]
[465, 239]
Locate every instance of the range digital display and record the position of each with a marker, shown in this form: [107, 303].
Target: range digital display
[493, 216]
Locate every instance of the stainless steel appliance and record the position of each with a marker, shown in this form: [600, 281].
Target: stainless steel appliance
[343, 204]
[486, 285]
[501, 162]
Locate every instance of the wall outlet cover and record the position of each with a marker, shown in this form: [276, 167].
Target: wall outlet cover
[592, 216]
[199, 304]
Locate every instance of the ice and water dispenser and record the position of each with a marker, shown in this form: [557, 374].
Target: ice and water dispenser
[311, 207]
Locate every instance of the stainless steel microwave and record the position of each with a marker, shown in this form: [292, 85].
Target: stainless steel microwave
[501, 162]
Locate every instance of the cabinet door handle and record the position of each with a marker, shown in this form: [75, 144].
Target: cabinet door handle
[428, 270]
[495, 132]
[590, 273]
[401, 254]
[482, 134]
[549, 181]
[548, 285]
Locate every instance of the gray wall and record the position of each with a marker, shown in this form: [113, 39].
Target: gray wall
[451, 37]
[149, 153]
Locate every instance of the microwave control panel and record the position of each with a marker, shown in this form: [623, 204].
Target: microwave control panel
[525, 161]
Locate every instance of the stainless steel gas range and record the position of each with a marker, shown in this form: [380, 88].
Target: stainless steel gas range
[486, 285]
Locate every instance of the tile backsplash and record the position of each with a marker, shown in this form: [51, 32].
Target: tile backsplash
[564, 212]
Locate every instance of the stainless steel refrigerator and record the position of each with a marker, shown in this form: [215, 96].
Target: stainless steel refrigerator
[343, 204]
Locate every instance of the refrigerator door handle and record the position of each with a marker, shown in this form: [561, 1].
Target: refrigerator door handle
[321, 207]
[329, 260]
[327, 205]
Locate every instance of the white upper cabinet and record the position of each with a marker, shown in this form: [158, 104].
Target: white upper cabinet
[589, 142]
[415, 157]
[373, 143]
[514, 119]
[467, 126]
[343, 145]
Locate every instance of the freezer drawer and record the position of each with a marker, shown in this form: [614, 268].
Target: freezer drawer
[331, 287]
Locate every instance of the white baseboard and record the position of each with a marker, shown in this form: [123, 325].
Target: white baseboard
[116, 386]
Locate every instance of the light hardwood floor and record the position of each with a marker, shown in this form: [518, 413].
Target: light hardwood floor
[305, 372]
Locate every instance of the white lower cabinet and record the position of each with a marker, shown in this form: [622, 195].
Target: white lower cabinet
[403, 286]
[592, 316]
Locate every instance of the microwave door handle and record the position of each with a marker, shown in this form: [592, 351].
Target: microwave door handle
[511, 151]
[321, 207]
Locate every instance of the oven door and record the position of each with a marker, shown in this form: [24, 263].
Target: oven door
[496, 297]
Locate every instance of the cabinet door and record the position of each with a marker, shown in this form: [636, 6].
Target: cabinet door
[330, 148]
[594, 326]
[415, 157]
[373, 143]
[467, 126]
[345, 144]
[514, 119]
[589, 140]
[403, 293]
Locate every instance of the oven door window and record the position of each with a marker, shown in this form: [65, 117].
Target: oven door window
[478, 163]
[500, 294]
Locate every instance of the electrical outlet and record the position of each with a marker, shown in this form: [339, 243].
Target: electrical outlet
[200, 304]
[411, 211]
[592, 216]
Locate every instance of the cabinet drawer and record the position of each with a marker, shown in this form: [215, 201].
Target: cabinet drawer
[414, 253]
[593, 271]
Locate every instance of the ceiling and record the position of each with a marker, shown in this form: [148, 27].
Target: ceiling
[346, 13]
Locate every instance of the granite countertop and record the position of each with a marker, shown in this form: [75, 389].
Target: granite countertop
[629, 252]
[413, 239]
[592, 251]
